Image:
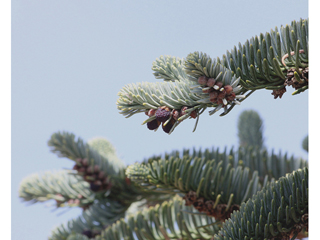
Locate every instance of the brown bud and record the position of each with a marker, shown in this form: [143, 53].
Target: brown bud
[231, 97]
[168, 126]
[151, 112]
[81, 170]
[163, 113]
[176, 114]
[219, 101]
[221, 94]
[96, 169]
[154, 124]
[211, 82]
[85, 162]
[218, 84]
[183, 110]
[97, 182]
[214, 94]
[105, 181]
[101, 175]
[199, 204]
[202, 80]
[194, 114]
[228, 89]
[89, 169]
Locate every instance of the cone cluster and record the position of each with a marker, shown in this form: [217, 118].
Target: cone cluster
[93, 175]
[303, 80]
[292, 81]
[91, 233]
[167, 117]
[220, 212]
[218, 93]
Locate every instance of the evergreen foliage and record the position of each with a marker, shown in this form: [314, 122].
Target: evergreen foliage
[250, 127]
[272, 61]
[243, 193]
[305, 143]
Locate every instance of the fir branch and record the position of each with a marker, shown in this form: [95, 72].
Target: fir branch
[78, 236]
[278, 211]
[65, 145]
[67, 189]
[90, 223]
[169, 68]
[170, 220]
[106, 149]
[170, 103]
[271, 164]
[174, 99]
[216, 84]
[264, 60]
[205, 177]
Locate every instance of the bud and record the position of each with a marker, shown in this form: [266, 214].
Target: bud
[211, 82]
[222, 94]
[231, 96]
[96, 169]
[202, 80]
[228, 89]
[85, 162]
[163, 113]
[101, 175]
[194, 114]
[176, 114]
[151, 112]
[89, 169]
[168, 126]
[183, 110]
[218, 85]
[154, 124]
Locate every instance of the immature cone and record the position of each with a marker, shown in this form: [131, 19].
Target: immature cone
[168, 126]
[154, 124]
[163, 114]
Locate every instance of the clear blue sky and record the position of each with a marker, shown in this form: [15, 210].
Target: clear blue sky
[70, 59]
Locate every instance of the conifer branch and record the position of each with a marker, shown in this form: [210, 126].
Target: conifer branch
[271, 164]
[269, 61]
[98, 216]
[169, 69]
[278, 211]
[77, 236]
[65, 145]
[266, 61]
[170, 220]
[67, 189]
[209, 179]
